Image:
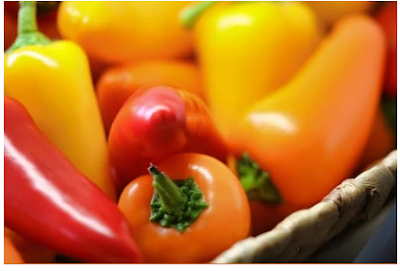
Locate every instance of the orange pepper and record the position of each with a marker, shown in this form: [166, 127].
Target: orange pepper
[117, 84]
[264, 216]
[11, 254]
[222, 217]
[30, 251]
[122, 32]
[330, 12]
[307, 137]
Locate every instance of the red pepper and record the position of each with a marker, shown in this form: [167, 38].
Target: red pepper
[157, 122]
[387, 19]
[50, 202]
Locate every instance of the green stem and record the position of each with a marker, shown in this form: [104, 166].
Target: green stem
[192, 13]
[28, 33]
[256, 182]
[177, 203]
[171, 198]
[27, 17]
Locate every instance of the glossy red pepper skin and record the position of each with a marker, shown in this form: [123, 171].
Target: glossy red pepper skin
[48, 201]
[156, 122]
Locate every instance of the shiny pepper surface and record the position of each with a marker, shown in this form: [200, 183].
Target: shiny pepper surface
[52, 80]
[248, 50]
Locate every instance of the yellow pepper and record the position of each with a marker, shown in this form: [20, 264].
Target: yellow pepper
[249, 49]
[122, 32]
[52, 80]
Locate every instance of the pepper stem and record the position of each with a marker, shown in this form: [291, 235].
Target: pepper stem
[192, 13]
[28, 33]
[176, 203]
[256, 182]
[171, 197]
[27, 17]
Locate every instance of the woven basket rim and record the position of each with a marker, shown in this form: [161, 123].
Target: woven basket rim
[299, 235]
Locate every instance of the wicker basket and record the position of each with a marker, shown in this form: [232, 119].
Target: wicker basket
[303, 232]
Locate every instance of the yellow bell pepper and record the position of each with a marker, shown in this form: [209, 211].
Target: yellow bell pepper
[249, 49]
[52, 80]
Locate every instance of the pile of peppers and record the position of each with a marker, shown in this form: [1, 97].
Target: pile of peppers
[166, 132]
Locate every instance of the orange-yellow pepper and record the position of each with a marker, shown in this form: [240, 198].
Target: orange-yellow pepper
[30, 251]
[122, 32]
[330, 12]
[307, 137]
[52, 80]
[248, 50]
[11, 254]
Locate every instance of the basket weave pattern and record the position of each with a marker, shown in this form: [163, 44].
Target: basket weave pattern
[303, 232]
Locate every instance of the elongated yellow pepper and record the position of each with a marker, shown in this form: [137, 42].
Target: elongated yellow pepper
[249, 49]
[52, 80]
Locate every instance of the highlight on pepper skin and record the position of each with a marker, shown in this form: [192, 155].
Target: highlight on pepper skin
[135, 131]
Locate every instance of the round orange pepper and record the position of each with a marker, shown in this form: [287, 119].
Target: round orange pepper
[211, 233]
[11, 254]
[117, 84]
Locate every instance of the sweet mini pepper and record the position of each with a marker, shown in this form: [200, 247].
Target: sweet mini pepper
[11, 254]
[52, 80]
[117, 83]
[122, 32]
[307, 137]
[330, 12]
[30, 251]
[48, 201]
[249, 49]
[192, 208]
[156, 122]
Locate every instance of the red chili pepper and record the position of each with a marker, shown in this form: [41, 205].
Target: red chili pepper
[50, 202]
[157, 122]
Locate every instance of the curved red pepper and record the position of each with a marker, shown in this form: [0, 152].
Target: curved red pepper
[156, 122]
[48, 201]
